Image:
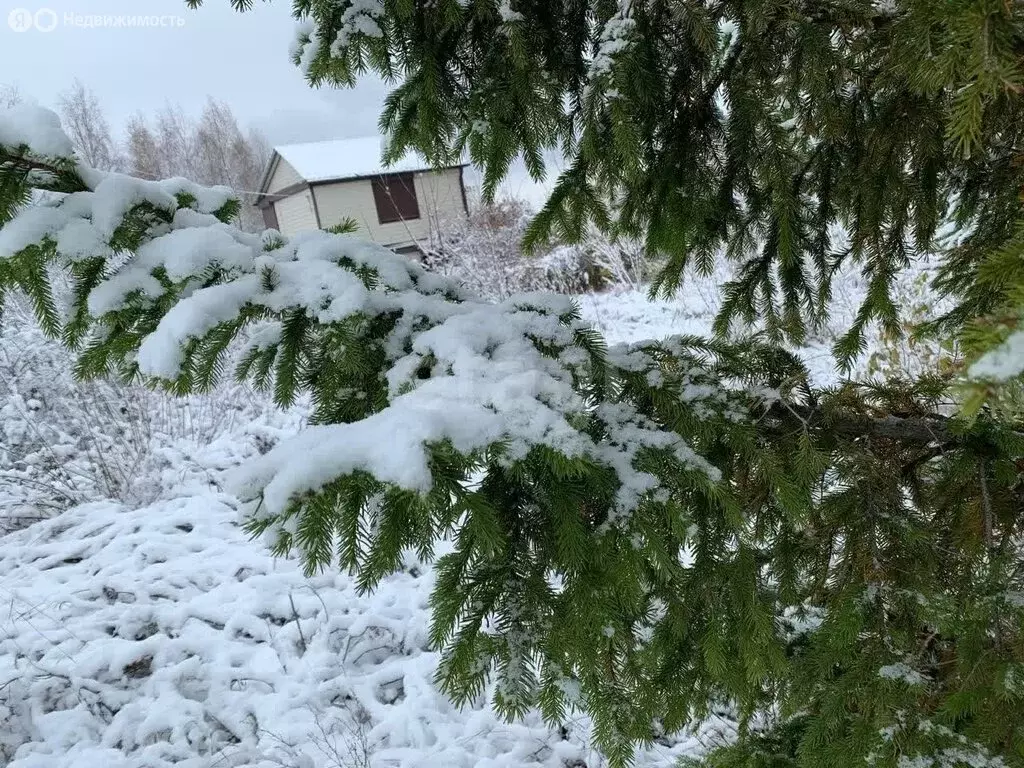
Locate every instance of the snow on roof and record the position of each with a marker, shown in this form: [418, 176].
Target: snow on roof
[345, 159]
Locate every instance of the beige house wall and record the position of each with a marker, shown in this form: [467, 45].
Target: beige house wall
[295, 213]
[438, 195]
[284, 176]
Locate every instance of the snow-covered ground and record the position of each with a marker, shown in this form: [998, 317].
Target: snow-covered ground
[161, 635]
[629, 316]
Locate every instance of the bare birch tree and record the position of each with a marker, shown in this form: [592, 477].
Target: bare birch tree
[88, 129]
[142, 150]
[9, 95]
[210, 150]
[226, 155]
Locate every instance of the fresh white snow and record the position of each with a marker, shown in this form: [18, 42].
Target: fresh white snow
[162, 636]
[158, 635]
[1003, 362]
[490, 382]
[901, 671]
[32, 125]
[613, 40]
[361, 17]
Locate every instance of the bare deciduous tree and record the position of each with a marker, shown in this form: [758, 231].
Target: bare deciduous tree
[88, 128]
[212, 150]
[227, 156]
[9, 95]
[142, 150]
[176, 144]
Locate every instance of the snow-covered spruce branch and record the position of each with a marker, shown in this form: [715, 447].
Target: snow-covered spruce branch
[569, 478]
[505, 425]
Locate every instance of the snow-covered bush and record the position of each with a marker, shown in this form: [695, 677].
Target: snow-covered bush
[483, 251]
[621, 263]
[65, 442]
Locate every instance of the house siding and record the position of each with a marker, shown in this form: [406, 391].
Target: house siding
[441, 194]
[284, 176]
[295, 213]
[438, 193]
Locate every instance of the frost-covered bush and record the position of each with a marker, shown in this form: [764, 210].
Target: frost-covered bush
[619, 263]
[64, 441]
[484, 252]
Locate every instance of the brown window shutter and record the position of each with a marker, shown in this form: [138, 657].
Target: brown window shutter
[395, 196]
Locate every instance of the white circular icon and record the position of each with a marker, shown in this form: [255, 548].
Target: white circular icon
[45, 20]
[20, 20]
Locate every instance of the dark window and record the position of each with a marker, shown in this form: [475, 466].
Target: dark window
[270, 217]
[395, 196]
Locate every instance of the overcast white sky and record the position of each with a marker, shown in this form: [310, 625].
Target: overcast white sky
[239, 58]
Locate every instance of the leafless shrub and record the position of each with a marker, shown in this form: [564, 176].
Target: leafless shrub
[341, 737]
[484, 252]
[65, 442]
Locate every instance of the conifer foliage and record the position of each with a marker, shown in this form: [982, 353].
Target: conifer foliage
[645, 532]
[754, 128]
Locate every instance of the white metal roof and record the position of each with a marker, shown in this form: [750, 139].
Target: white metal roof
[345, 159]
